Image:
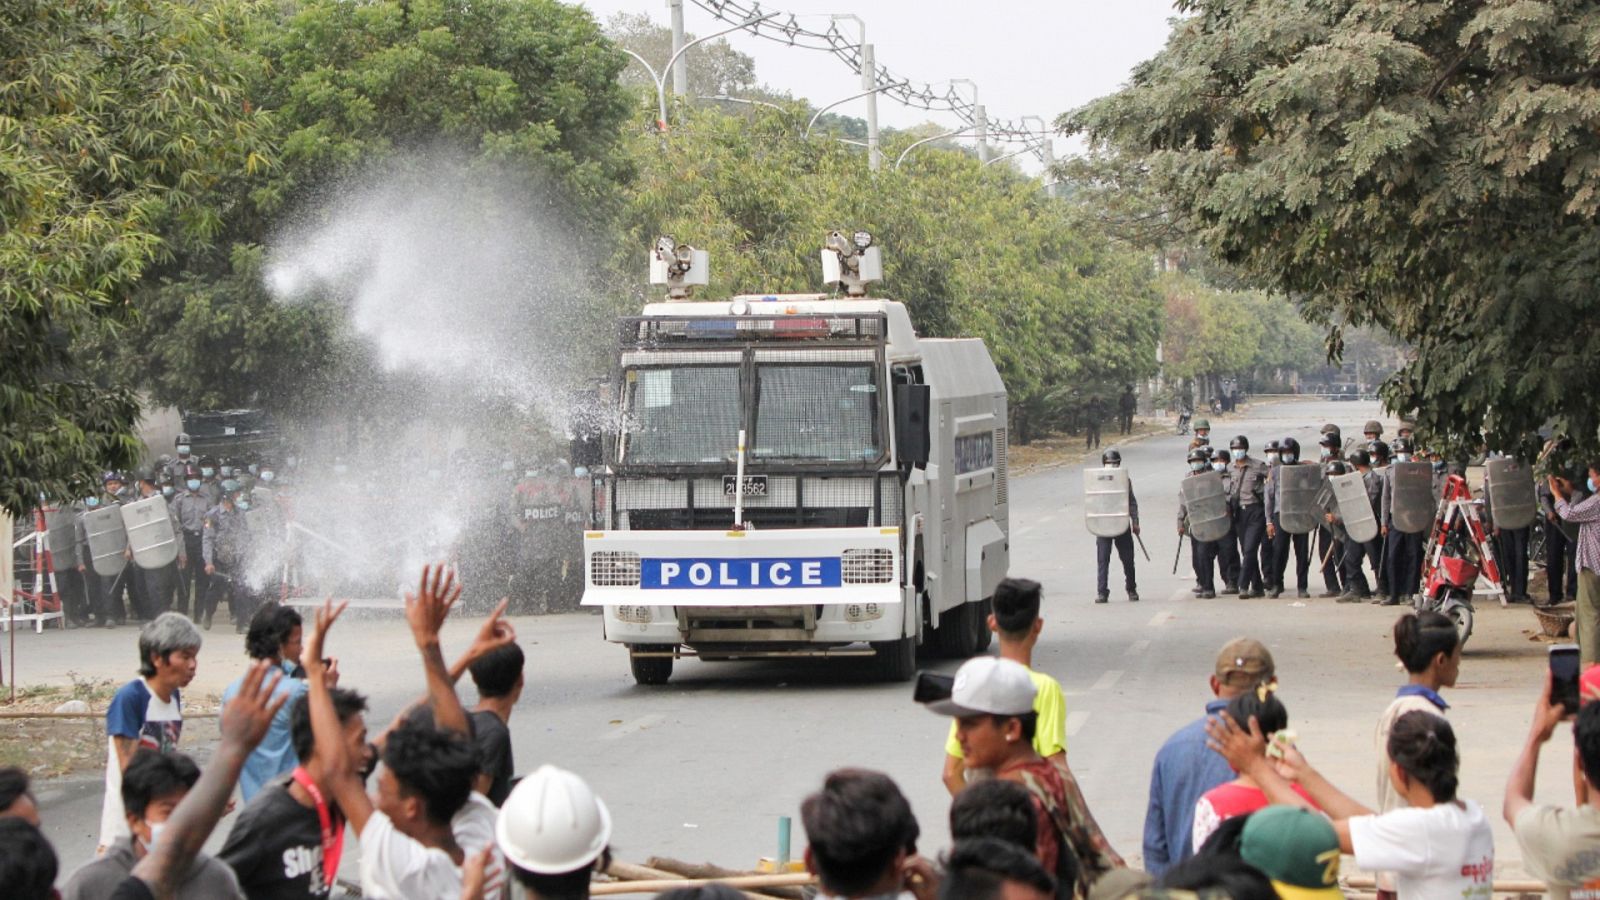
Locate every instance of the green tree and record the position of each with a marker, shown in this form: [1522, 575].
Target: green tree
[526, 89]
[1429, 168]
[714, 67]
[117, 118]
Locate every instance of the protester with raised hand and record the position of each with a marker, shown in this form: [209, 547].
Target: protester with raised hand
[244, 722]
[1560, 844]
[1242, 796]
[1438, 846]
[414, 836]
[274, 635]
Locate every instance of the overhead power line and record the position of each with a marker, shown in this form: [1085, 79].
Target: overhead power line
[785, 28]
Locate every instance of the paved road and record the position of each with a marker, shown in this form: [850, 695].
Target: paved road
[702, 768]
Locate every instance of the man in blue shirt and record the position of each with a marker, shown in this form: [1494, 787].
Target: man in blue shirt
[1186, 768]
[275, 636]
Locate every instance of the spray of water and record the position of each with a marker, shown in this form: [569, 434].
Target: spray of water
[474, 300]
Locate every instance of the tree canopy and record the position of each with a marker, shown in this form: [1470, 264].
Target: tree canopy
[1429, 168]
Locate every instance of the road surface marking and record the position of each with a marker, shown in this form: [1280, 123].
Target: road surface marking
[634, 727]
[1138, 648]
[1110, 678]
[1160, 618]
[1075, 722]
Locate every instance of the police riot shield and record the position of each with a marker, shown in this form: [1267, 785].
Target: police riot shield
[1298, 512]
[1105, 501]
[1412, 504]
[150, 534]
[108, 539]
[1510, 488]
[61, 538]
[1350, 496]
[1205, 498]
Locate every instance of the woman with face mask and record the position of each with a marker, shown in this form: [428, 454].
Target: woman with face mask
[152, 786]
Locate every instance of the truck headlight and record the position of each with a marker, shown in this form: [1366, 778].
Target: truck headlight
[639, 615]
[863, 612]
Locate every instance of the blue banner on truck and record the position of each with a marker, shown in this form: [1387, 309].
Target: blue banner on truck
[744, 573]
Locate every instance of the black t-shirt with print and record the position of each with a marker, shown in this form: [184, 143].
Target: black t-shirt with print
[275, 847]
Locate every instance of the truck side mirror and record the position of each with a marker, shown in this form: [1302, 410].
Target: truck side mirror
[912, 435]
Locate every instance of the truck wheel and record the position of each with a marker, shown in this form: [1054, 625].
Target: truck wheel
[895, 660]
[985, 610]
[956, 633]
[650, 670]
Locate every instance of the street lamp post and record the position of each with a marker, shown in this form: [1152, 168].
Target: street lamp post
[748, 102]
[660, 78]
[680, 70]
[963, 132]
[871, 142]
[980, 119]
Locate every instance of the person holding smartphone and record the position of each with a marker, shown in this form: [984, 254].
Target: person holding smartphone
[1560, 844]
[1587, 515]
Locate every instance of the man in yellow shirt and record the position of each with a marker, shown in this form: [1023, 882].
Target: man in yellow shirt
[1016, 621]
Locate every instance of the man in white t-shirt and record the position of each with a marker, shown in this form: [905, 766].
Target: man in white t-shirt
[425, 821]
[147, 711]
[1560, 844]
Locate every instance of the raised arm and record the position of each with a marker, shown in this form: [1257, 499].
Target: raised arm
[1519, 787]
[328, 745]
[1245, 751]
[245, 721]
[426, 611]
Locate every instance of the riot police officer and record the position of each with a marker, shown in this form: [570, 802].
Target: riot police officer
[1269, 550]
[1246, 495]
[1372, 431]
[1202, 554]
[155, 585]
[225, 547]
[210, 483]
[1228, 544]
[1123, 543]
[1282, 541]
[1202, 434]
[190, 508]
[1402, 551]
[177, 467]
[1329, 446]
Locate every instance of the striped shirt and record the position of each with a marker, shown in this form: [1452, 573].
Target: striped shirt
[1587, 515]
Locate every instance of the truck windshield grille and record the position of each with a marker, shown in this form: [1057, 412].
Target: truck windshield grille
[826, 412]
[682, 415]
[644, 503]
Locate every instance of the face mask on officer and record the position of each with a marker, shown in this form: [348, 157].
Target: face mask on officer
[1325, 455]
[1290, 458]
[1197, 466]
[207, 471]
[91, 502]
[183, 449]
[1272, 456]
[192, 484]
[1402, 457]
[166, 490]
[1237, 454]
[1220, 466]
[1590, 483]
[227, 471]
[242, 503]
[268, 475]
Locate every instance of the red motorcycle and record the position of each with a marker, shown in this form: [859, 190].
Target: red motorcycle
[1455, 569]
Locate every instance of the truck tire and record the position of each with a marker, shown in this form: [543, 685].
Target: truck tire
[985, 610]
[650, 670]
[895, 660]
[957, 632]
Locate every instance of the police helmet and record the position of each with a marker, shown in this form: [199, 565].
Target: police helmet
[1330, 428]
[109, 477]
[1111, 458]
[1407, 425]
[1360, 458]
[1330, 439]
[1239, 442]
[1377, 450]
[1202, 424]
[1271, 447]
[1373, 426]
[1222, 455]
[1290, 447]
[1335, 467]
[1401, 445]
[182, 438]
[1200, 454]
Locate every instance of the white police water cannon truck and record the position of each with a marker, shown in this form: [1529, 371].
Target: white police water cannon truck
[796, 475]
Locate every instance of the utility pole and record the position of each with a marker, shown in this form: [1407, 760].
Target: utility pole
[680, 69]
[1047, 145]
[869, 89]
[980, 119]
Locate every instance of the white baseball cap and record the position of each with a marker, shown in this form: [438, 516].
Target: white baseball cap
[988, 685]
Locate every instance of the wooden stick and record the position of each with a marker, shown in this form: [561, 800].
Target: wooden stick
[608, 888]
[630, 872]
[707, 870]
[1368, 882]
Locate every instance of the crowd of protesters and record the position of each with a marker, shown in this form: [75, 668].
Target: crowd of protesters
[1236, 809]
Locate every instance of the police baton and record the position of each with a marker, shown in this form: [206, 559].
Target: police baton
[1178, 554]
[1141, 546]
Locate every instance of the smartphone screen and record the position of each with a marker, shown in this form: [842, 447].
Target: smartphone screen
[1564, 676]
[932, 686]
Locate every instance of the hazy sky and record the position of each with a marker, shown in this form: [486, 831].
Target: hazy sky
[1036, 57]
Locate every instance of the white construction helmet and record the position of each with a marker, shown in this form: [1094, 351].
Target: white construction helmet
[552, 823]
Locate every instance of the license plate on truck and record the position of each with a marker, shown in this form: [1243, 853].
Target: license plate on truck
[754, 485]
